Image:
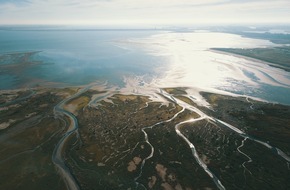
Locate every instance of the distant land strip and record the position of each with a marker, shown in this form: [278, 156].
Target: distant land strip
[277, 56]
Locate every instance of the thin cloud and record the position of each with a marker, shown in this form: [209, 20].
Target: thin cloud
[142, 11]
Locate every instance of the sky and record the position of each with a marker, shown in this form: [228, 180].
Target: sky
[143, 12]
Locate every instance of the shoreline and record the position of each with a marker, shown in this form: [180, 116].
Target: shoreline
[225, 52]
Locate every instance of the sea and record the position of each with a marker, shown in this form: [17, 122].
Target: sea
[61, 57]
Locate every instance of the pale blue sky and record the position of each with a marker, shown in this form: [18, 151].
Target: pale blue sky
[147, 12]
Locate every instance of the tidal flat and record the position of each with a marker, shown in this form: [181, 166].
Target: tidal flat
[129, 141]
[276, 56]
[142, 110]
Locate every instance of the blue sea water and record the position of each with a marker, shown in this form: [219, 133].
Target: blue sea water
[71, 57]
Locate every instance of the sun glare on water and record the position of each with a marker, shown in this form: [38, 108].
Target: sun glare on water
[193, 63]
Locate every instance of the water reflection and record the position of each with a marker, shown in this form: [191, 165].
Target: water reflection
[155, 59]
[193, 64]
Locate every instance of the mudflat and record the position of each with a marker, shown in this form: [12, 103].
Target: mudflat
[129, 141]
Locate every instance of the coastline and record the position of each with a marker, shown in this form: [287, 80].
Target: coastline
[145, 134]
[225, 52]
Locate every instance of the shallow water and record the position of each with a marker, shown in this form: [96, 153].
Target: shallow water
[193, 64]
[142, 63]
[149, 58]
[72, 57]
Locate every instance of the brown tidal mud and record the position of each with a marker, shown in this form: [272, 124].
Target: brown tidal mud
[131, 142]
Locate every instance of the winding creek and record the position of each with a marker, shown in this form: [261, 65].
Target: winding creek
[57, 156]
[71, 182]
[203, 116]
[162, 97]
[210, 72]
